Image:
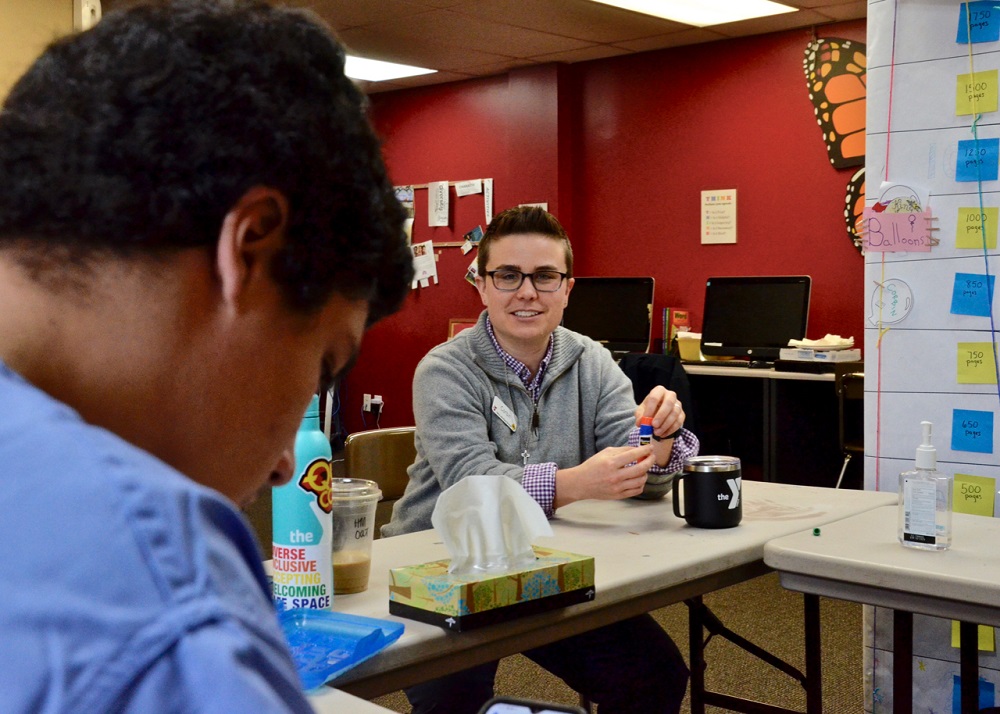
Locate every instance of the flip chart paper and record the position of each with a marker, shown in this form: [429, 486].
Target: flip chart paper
[972, 431]
[968, 234]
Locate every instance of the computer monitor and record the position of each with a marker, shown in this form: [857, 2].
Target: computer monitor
[617, 312]
[754, 317]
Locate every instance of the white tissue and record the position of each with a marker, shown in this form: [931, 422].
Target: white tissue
[488, 524]
[829, 342]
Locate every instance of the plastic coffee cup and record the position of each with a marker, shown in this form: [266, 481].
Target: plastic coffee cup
[354, 502]
[712, 492]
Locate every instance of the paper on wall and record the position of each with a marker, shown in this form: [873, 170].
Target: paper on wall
[488, 199]
[424, 265]
[437, 203]
[467, 188]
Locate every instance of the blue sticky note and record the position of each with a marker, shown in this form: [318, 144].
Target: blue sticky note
[986, 694]
[980, 24]
[972, 431]
[972, 293]
[977, 159]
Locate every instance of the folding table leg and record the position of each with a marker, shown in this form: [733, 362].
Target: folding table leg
[902, 662]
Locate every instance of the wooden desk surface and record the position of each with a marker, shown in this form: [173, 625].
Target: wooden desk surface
[645, 558]
[746, 372]
[860, 559]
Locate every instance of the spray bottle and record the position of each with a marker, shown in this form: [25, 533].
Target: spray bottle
[302, 560]
[925, 500]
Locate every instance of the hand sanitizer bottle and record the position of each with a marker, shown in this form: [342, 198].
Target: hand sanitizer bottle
[925, 500]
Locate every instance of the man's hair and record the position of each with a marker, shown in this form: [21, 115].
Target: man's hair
[520, 220]
[135, 138]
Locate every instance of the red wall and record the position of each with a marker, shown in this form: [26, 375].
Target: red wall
[621, 149]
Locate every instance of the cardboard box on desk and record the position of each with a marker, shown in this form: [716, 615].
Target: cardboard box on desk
[428, 593]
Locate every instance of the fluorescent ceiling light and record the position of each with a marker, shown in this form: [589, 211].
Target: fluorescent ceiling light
[378, 71]
[702, 13]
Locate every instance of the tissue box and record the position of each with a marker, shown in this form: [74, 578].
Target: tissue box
[428, 593]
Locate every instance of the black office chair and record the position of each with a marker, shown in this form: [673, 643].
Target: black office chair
[648, 370]
[851, 417]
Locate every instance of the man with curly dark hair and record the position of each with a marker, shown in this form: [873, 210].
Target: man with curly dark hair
[196, 227]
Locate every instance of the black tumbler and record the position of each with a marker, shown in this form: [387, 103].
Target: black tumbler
[712, 492]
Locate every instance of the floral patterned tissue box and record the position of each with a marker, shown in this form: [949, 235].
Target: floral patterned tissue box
[430, 594]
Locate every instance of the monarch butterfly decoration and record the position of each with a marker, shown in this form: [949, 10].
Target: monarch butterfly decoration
[836, 75]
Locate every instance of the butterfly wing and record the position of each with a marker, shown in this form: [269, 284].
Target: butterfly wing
[854, 208]
[836, 74]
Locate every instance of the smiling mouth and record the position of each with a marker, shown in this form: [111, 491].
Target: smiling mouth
[526, 313]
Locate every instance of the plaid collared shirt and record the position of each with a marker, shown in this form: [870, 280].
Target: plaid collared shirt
[539, 480]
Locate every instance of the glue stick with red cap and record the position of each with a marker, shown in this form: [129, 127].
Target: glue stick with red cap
[645, 430]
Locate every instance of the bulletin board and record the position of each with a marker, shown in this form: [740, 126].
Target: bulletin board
[932, 159]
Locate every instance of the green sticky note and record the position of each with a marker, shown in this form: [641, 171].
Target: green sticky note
[987, 642]
[976, 93]
[975, 363]
[974, 494]
[969, 234]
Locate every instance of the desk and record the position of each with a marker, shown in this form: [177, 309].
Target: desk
[333, 701]
[782, 425]
[645, 558]
[860, 559]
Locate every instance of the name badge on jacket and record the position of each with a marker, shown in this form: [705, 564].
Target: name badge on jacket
[504, 413]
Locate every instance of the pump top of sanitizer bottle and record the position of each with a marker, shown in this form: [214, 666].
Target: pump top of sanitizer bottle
[926, 453]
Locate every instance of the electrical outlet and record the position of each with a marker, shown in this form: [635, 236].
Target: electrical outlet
[86, 13]
[377, 399]
[366, 405]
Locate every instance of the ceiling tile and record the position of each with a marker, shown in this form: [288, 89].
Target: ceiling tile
[845, 11]
[342, 14]
[584, 55]
[693, 36]
[590, 21]
[774, 23]
[407, 49]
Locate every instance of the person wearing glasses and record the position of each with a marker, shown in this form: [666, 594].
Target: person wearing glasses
[520, 396]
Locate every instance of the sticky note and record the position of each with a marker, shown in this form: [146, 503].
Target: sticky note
[976, 363]
[978, 22]
[972, 431]
[986, 643]
[974, 494]
[968, 234]
[972, 294]
[977, 159]
[976, 93]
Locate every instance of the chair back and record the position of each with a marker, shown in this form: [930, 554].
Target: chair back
[382, 456]
[646, 370]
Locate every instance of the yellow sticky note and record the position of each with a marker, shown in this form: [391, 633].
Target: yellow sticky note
[975, 363]
[974, 494]
[987, 642]
[968, 234]
[976, 93]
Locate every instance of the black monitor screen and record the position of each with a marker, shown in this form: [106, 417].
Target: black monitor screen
[616, 312]
[754, 317]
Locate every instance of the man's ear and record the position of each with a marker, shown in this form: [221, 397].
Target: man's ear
[252, 233]
[481, 287]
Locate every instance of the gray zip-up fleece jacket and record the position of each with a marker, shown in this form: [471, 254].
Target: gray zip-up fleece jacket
[586, 404]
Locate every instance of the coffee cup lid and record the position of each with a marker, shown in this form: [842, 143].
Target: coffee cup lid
[350, 488]
[712, 463]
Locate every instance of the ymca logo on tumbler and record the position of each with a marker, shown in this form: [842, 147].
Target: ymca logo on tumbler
[709, 489]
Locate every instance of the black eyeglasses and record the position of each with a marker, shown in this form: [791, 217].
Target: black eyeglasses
[508, 280]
